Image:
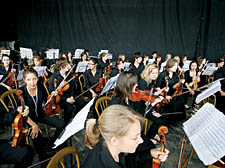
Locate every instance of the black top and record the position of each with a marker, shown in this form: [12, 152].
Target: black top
[187, 77]
[91, 80]
[161, 82]
[30, 101]
[7, 117]
[68, 93]
[100, 157]
[220, 73]
[5, 73]
[102, 65]
[137, 70]
[142, 85]
[114, 72]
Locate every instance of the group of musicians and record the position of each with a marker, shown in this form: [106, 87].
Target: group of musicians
[143, 88]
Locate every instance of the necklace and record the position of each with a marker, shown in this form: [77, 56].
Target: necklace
[35, 101]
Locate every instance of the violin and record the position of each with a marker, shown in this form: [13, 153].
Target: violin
[65, 85]
[12, 79]
[18, 123]
[142, 95]
[161, 131]
[53, 105]
[179, 85]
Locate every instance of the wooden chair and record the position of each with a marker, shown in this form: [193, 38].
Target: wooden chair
[46, 83]
[82, 86]
[101, 104]
[210, 79]
[60, 158]
[10, 95]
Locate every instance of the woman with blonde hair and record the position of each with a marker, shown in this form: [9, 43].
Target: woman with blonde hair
[147, 82]
[117, 131]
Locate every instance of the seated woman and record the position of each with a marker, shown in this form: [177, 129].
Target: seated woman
[21, 156]
[117, 131]
[119, 67]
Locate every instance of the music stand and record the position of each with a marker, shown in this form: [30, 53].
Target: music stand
[7, 52]
[78, 53]
[40, 70]
[26, 53]
[52, 54]
[81, 67]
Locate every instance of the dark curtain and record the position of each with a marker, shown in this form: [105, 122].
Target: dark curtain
[180, 27]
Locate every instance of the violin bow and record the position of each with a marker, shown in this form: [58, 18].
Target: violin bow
[183, 146]
[59, 85]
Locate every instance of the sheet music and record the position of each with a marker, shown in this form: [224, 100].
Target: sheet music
[206, 114]
[151, 61]
[7, 52]
[26, 53]
[213, 88]
[82, 67]
[111, 84]
[78, 53]
[209, 143]
[75, 125]
[40, 70]
[126, 66]
[209, 70]
[206, 131]
[1, 76]
[186, 65]
[20, 75]
[52, 54]
[110, 56]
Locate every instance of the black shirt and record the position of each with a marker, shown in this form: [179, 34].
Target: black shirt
[100, 157]
[66, 94]
[137, 70]
[102, 65]
[91, 80]
[5, 73]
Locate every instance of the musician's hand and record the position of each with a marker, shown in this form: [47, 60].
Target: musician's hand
[13, 70]
[222, 93]
[156, 153]
[70, 100]
[156, 114]
[168, 97]
[26, 111]
[167, 89]
[182, 81]
[157, 100]
[192, 91]
[34, 132]
[55, 93]
[94, 95]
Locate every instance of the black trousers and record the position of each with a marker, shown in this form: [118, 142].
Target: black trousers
[21, 156]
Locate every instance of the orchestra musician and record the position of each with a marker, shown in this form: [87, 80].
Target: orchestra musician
[145, 60]
[220, 96]
[92, 76]
[103, 61]
[5, 69]
[147, 82]
[137, 66]
[34, 95]
[158, 61]
[170, 77]
[118, 68]
[21, 156]
[84, 56]
[117, 131]
[190, 77]
[67, 98]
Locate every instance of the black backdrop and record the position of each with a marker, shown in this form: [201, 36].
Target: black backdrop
[191, 27]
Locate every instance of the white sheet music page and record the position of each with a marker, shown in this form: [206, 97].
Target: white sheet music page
[206, 131]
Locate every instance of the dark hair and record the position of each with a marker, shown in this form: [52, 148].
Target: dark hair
[137, 54]
[154, 52]
[5, 55]
[61, 63]
[29, 70]
[171, 62]
[94, 60]
[102, 55]
[192, 63]
[124, 84]
[118, 60]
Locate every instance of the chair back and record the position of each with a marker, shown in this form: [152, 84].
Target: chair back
[46, 85]
[101, 104]
[10, 95]
[82, 83]
[65, 156]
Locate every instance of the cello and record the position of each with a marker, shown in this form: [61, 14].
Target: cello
[156, 163]
[18, 122]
